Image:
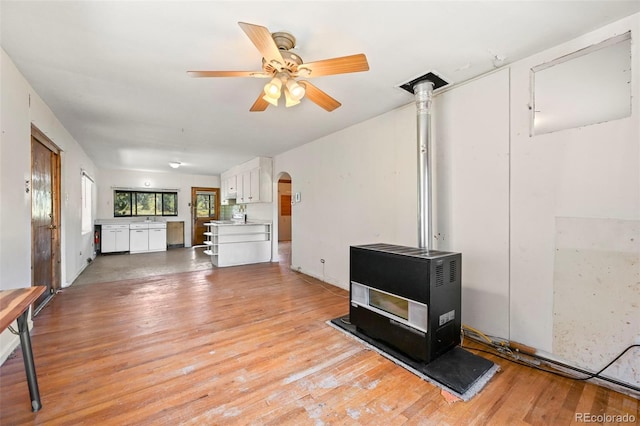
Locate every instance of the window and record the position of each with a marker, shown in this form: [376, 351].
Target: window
[144, 203]
[205, 204]
[87, 203]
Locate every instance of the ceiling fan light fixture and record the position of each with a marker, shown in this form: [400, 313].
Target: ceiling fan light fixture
[296, 91]
[290, 100]
[281, 65]
[272, 88]
[272, 101]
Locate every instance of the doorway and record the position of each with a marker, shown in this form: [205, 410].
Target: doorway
[205, 207]
[45, 216]
[284, 219]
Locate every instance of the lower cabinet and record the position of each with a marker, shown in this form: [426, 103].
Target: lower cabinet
[146, 237]
[157, 239]
[114, 238]
[134, 237]
[138, 240]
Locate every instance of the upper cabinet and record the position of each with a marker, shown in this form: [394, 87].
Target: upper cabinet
[229, 184]
[249, 182]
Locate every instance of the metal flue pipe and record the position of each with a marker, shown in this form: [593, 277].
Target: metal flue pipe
[423, 91]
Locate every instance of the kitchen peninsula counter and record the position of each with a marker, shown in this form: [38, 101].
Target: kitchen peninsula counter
[231, 243]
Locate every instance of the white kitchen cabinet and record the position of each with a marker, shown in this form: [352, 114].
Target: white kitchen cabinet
[228, 185]
[249, 182]
[249, 187]
[138, 238]
[145, 237]
[114, 238]
[157, 237]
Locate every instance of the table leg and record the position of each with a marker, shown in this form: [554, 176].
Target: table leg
[29, 366]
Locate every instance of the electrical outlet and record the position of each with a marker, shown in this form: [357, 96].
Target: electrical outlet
[321, 260]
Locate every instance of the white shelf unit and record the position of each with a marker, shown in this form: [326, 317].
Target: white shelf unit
[238, 244]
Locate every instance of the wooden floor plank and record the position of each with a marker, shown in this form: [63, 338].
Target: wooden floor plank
[248, 345]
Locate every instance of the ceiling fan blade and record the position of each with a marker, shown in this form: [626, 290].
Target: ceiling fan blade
[258, 74]
[263, 40]
[260, 104]
[319, 97]
[342, 65]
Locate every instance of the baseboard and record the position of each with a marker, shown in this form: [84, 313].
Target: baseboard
[319, 278]
[84, 266]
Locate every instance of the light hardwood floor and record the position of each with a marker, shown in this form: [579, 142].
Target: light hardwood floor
[249, 345]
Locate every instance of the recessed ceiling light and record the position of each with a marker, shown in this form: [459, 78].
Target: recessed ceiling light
[175, 164]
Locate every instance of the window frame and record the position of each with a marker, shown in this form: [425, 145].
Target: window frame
[132, 196]
[86, 208]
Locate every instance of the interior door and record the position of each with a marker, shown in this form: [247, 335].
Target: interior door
[205, 206]
[45, 208]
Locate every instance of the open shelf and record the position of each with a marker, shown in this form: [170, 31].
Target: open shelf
[238, 244]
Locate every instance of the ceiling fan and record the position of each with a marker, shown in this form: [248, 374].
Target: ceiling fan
[283, 67]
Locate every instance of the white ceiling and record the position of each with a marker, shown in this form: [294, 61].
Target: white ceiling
[114, 72]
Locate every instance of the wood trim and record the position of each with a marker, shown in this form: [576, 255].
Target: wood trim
[284, 181]
[44, 139]
[56, 243]
[194, 191]
[56, 167]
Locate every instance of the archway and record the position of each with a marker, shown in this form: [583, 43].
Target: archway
[284, 218]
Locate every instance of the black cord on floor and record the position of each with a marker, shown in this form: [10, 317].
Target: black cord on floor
[588, 376]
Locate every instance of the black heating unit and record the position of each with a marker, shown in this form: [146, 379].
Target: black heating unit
[408, 298]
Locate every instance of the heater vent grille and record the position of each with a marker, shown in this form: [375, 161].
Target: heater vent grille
[439, 275]
[453, 271]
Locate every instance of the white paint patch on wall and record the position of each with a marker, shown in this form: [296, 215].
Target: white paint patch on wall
[597, 293]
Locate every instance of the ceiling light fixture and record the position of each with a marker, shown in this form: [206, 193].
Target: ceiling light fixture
[175, 164]
[296, 90]
[272, 90]
[293, 92]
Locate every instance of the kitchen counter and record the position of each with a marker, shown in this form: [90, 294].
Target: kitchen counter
[231, 243]
[126, 221]
[236, 223]
[131, 235]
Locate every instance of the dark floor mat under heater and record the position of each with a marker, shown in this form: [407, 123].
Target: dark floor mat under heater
[458, 371]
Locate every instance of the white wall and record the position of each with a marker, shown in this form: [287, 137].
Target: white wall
[357, 186]
[135, 179]
[575, 216]
[519, 208]
[471, 194]
[21, 106]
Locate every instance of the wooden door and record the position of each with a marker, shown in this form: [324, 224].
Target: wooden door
[205, 206]
[45, 209]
